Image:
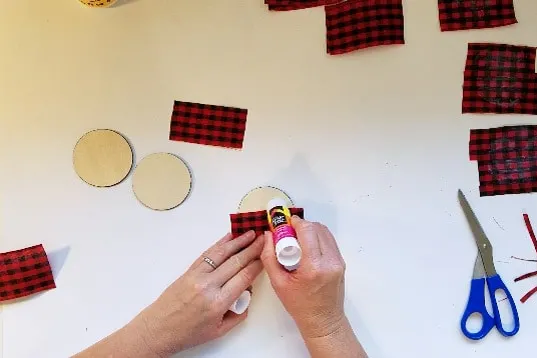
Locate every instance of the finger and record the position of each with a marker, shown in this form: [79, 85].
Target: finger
[268, 257]
[230, 321]
[328, 243]
[237, 262]
[307, 237]
[240, 282]
[227, 237]
[224, 249]
[223, 240]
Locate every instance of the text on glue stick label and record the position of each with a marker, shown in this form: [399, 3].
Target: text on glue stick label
[280, 225]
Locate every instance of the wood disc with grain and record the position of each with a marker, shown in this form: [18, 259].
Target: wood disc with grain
[102, 158]
[161, 181]
[258, 198]
[98, 3]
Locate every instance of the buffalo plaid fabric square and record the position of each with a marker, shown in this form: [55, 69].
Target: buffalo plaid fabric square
[500, 79]
[288, 5]
[208, 124]
[506, 158]
[255, 220]
[358, 24]
[24, 272]
[475, 14]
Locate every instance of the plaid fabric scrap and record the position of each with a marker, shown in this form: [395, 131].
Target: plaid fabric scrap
[289, 5]
[500, 79]
[208, 124]
[358, 24]
[506, 158]
[24, 272]
[255, 220]
[475, 14]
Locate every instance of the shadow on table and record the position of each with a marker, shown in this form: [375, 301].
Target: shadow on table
[57, 260]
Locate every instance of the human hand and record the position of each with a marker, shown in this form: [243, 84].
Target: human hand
[314, 293]
[194, 309]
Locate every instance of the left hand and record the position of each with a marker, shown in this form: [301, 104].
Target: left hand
[194, 309]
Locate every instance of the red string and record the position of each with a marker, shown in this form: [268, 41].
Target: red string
[528, 295]
[531, 274]
[530, 230]
[528, 275]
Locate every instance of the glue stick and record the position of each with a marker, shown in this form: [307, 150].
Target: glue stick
[242, 303]
[287, 249]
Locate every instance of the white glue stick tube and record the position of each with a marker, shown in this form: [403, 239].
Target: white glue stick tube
[242, 303]
[287, 249]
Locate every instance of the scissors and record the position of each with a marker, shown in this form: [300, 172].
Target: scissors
[484, 270]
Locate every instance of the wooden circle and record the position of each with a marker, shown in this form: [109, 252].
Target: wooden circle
[98, 3]
[258, 198]
[161, 181]
[102, 158]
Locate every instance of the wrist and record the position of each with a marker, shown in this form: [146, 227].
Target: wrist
[340, 341]
[317, 326]
[156, 338]
[138, 332]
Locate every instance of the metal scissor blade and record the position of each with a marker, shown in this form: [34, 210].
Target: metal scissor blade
[479, 269]
[483, 244]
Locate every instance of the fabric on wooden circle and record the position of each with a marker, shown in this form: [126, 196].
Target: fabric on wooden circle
[102, 158]
[161, 181]
[258, 198]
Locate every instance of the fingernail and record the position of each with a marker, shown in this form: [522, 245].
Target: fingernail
[250, 234]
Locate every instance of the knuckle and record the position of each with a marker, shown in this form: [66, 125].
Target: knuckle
[337, 270]
[247, 276]
[314, 274]
[305, 226]
[216, 306]
[239, 261]
[201, 287]
[220, 252]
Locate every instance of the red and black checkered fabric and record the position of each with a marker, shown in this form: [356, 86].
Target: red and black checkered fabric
[475, 14]
[288, 5]
[255, 220]
[506, 158]
[24, 272]
[208, 124]
[500, 79]
[357, 24]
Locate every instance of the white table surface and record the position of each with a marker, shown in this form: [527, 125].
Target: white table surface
[372, 143]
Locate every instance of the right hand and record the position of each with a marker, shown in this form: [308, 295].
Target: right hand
[314, 293]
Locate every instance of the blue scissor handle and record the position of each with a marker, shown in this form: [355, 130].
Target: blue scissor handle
[495, 283]
[476, 304]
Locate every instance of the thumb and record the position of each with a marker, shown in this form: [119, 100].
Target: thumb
[230, 321]
[268, 257]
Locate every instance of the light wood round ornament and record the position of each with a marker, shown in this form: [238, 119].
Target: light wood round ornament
[161, 181]
[258, 198]
[102, 158]
[98, 3]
